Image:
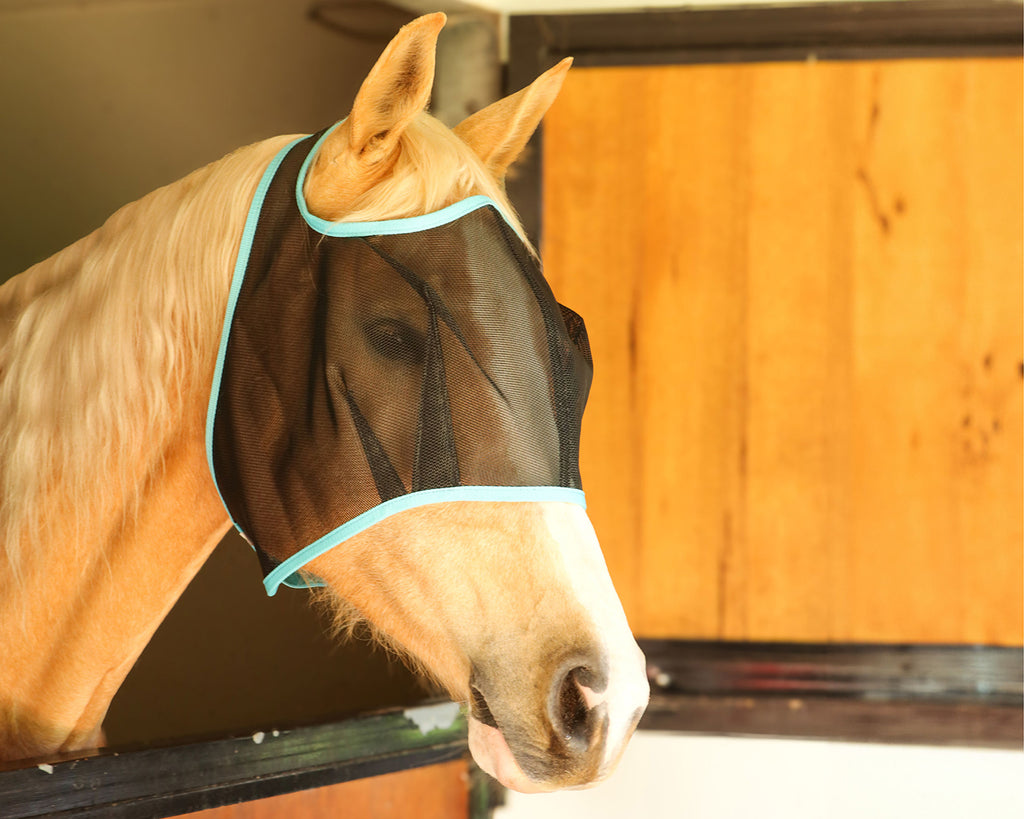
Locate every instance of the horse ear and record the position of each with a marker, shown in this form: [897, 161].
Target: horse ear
[354, 156]
[499, 132]
[396, 89]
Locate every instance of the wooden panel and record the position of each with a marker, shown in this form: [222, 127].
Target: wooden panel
[803, 289]
[434, 792]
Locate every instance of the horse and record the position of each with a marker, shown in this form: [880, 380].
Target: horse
[107, 355]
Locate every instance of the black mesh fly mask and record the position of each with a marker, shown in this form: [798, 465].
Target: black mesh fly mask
[367, 368]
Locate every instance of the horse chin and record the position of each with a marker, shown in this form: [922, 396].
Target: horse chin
[491, 752]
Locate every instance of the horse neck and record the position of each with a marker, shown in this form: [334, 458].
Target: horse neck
[84, 616]
[104, 553]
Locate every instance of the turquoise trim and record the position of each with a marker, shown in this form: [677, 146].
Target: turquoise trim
[388, 227]
[287, 572]
[236, 287]
[391, 227]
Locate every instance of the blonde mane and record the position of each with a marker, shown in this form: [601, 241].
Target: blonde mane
[103, 344]
[434, 169]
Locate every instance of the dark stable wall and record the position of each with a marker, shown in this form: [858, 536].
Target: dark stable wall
[229, 659]
[102, 102]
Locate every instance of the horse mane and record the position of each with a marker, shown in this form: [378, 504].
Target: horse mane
[103, 345]
[434, 169]
[101, 341]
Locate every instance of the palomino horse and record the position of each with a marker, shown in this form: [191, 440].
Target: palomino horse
[107, 355]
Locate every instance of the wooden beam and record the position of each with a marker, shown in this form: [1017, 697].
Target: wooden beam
[916, 694]
[829, 31]
[149, 783]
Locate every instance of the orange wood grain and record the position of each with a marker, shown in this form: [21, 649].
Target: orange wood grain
[433, 792]
[802, 284]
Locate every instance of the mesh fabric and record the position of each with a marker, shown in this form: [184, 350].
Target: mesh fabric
[369, 370]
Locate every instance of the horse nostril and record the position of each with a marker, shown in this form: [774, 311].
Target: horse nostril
[569, 712]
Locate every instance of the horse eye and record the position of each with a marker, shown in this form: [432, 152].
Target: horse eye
[396, 341]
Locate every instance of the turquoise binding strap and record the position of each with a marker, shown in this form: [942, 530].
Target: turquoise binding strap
[288, 572]
[241, 262]
[388, 227]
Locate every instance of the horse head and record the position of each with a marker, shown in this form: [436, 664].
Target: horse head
[508, 605]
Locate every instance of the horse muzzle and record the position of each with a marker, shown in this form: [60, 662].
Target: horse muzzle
[571, 735]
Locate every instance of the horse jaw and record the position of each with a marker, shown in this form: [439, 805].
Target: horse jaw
[510, 607]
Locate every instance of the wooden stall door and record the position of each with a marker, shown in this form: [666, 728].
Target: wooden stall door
[433, 792]
[803, 289]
